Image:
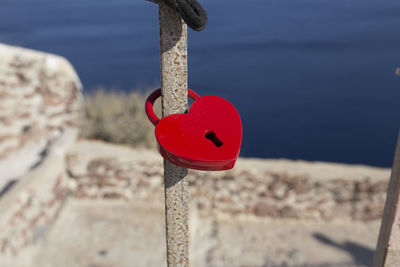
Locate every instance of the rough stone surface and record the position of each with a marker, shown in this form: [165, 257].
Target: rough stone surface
[261, 188]
[118, 233]
[39, 97]
[40, 103]
[248, 242]
[30, 207]
[105, 233]
[115, 214]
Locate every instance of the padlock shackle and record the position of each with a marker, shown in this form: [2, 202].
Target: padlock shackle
[153, 97]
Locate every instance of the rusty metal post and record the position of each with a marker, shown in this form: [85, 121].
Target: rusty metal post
[173, 44]
[387, 252]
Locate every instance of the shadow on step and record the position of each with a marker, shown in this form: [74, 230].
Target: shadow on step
[362, 255]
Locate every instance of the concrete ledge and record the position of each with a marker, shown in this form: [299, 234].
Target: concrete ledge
[30, 207]
[258, 188]
[123, 233]
[39, 96]
[40, 100]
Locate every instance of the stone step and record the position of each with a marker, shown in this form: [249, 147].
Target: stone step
[119, 233]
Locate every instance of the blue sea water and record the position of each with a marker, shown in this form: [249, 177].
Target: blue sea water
[312, 79]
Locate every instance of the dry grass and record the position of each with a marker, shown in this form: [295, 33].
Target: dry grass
[117, 117]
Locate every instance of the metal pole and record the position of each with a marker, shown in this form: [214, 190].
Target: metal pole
[173, 44]
[387, 252]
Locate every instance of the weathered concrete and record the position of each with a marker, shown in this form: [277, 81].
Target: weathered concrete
[40, 105]
[114, 216]
[116, 233]
[105, 233]
[247, 242]
[39, 97]
[30, 207]
[260, 188]
[262, 213]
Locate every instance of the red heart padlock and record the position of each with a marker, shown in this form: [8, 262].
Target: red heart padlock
[208, 137]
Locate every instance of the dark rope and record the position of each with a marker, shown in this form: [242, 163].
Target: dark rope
[191, 11]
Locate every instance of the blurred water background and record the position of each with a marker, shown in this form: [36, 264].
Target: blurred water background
[312, 79]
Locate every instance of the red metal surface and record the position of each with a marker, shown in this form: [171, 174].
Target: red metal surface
[208, 137]
[153, 97]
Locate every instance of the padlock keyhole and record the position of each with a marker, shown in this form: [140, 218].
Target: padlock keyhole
[213, 137]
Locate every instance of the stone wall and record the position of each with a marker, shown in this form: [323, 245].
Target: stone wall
[40, 104]
[30, 207]
[260, 188]
[39, 98]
